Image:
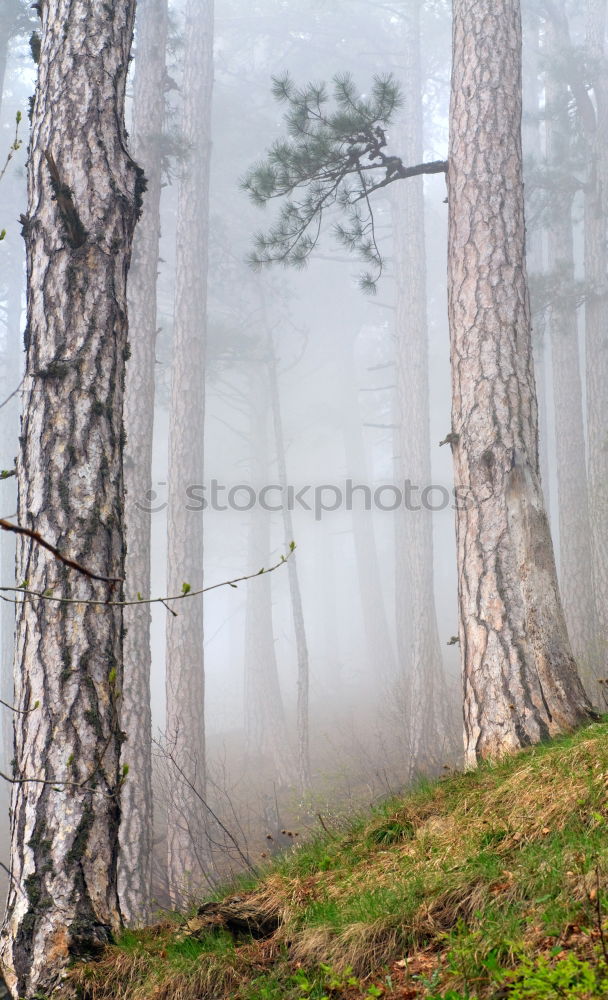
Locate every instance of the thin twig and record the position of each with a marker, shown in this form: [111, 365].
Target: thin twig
[17, 529]
[169, 755]
[45, 596]
[600, 915]
[20, 711]
[13, 393]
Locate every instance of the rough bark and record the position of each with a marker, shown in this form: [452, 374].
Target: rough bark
[576, 582]
[187, 855]
[135, 862]
[420, 659]
[596, 313]
[83, 191]
[266, 729]
[520, 678]
[297, 609]
[10, 436]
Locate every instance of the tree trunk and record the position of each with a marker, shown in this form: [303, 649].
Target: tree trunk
[266, 730]
[420, 659]
[294, 580]
[5, 34]
[187, 853]
[576, 583]
[82, 203]
[10, 436]
[380, 653]
[596, 314]
[135, 862]
[535, 236]
[520, 678]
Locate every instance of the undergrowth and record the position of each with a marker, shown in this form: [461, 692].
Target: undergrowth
[489, 884]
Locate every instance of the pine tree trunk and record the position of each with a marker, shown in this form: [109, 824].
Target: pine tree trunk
[421, 663]
[4, 39]
[380, 653]
[520, 678]
[294, 581]
[596, 314]
[82, 205]
[187, 851]
[135, 862]
[10, 435]
[576, 583]
[535, 236]
[266, 729]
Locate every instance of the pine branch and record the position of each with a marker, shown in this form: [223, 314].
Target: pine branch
[333, 158]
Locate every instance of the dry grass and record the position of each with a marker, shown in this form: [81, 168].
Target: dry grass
[486, 861]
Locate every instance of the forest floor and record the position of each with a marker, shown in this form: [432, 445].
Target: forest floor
[489, 884]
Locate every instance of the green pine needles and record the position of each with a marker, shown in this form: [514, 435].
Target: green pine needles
[334, 157]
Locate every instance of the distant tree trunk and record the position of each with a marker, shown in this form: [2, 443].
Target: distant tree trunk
[420, 659]
[294, 580]
[14, 20]
[378, 636]
[187, 850]
[535, 235]
[5, 33]
[135, 862]
[82, 197]
[576, 582]
[596, 310]
[520, 678]
[267, 736]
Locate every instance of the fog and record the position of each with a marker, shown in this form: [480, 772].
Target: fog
[332, 353]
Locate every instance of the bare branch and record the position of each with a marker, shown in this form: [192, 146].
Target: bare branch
[36, 537]
[186, 594]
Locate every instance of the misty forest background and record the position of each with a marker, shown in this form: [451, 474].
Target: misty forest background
[316, 712]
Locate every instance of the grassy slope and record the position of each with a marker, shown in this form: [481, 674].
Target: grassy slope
[435, 895]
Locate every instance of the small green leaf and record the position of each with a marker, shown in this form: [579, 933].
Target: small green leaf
[186, 588]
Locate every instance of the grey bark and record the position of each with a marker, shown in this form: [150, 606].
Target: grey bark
[576, 582]
[187, 855]
[135, 861]
[266, 729]
[82, 207]
[420, 658]
[520, 678]
[596, 312]
[297, 609]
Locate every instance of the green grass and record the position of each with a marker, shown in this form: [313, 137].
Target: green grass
[487, 882]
